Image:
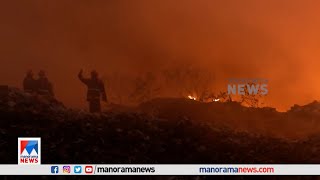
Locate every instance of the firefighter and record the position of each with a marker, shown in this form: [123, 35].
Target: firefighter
[29, 83]
[44, 86]
[95, 92]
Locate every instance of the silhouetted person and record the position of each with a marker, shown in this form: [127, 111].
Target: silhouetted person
[29, 83]
[96, 91]
[44, 86]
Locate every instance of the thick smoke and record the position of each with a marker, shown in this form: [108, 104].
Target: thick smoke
[127, 40]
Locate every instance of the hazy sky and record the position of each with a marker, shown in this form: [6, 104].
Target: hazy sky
[274, 39]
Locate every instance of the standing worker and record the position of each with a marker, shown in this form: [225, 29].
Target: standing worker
[29, 83]
[44, 86]
[96, 90]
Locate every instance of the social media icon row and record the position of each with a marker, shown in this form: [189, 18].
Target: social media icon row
[67, 169]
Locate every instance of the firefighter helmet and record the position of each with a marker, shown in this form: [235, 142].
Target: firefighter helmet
[29, 73]
[94, 74]
[42, 73]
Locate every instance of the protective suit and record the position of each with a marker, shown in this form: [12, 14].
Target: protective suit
[44, 86]
[95, 92]
[29, 83]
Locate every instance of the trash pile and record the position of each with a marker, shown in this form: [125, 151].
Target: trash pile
[18, 100]
[77, 137]
[312, 109]
[295, 123]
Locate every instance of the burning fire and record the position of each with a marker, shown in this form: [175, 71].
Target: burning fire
[206, 100]
[191, 97]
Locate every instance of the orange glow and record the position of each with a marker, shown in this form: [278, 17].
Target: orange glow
[192, 97]
[276, 40]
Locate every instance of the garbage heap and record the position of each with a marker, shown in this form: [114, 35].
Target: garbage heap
[77, 137]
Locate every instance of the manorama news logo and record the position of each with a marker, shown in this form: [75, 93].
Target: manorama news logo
[254, 86]
[29, 151]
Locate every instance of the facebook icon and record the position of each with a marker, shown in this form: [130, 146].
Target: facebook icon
[54, 169]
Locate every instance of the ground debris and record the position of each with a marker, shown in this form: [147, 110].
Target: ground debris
[75, 136]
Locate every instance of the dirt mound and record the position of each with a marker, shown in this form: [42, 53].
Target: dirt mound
[135, 138]
[18, 100]
[300, 121]
[72, 136]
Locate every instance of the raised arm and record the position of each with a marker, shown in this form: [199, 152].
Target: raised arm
[82, 79]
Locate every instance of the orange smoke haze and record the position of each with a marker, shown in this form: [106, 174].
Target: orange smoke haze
[277, 40]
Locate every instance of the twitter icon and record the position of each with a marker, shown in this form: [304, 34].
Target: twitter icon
[77, 169]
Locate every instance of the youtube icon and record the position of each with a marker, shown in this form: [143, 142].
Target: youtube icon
[88, 169]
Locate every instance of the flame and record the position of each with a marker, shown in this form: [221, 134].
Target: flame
[216, 100]
[191, 97]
